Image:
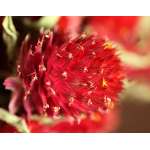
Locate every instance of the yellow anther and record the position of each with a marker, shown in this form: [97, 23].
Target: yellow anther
[104, 83]
[108, 45]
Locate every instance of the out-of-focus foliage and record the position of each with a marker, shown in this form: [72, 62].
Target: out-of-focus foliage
[10, 36]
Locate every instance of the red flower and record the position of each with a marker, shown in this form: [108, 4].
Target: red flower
[120, 29]
[79, 78]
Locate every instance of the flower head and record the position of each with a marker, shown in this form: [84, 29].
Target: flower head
[77, 77]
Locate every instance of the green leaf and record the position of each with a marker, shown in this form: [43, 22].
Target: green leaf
[13, 120]
[45, 22]
[10, 35]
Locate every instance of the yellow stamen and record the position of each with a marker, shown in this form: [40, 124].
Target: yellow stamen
[104, 83]
[108, 45]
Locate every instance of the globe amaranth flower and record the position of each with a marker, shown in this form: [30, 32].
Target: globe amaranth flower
[76, 79]
[120, 29]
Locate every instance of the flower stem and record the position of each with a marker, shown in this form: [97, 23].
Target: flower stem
[13, 120]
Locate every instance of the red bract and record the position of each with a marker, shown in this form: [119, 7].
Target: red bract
[120, 29]
[77, 78]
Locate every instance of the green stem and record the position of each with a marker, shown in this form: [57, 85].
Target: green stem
[13, 120]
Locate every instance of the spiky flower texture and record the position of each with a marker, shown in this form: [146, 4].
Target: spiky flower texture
[77, 78]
